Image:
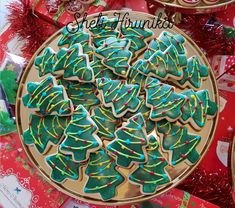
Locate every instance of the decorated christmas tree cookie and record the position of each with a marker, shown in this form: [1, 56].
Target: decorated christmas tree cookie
[164, 40]
[145, 111]
[81, 93]
[164, 102]
[104, 29]
[74, 64]
[44, 131]
[138, 36]
[194, 73]
[47, 97]
[105, 121]
[135, 77]
[45, 62]
[178, 142]
[164, 64]
[120, 96]
[81, 138]
[115, 54]
[72, 35]
[152, 174]
[103, 178]
[129, 145]
[100, 70]
[197, 107]
[63, 167]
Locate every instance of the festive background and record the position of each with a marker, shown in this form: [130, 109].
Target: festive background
[28, 23]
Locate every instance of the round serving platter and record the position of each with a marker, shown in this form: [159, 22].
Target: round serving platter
[126, 192]
[201, 8]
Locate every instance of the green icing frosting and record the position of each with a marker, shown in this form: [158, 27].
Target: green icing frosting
[164, 40]
[47, 97]
[194, 73]
[63, 167]
[7, 124]
[45, 62]
[81, 93]
[74, 64]
[120, 96]
[164, 64]
[145, 111]
[130, 142]
[81, 138]
[100, 70]
[105, 28]
[138, 37]
[196, 108]
[8, 81]
[105, 121]
[76, 35]
[103, 178]
[115, 55]
[162, 99]
[152, 174]
[135, 77]
[44, 129]
[176, 139]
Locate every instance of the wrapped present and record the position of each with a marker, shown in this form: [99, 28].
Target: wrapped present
[175, 198]
[21, 184]
[224, 68]
[64, 13]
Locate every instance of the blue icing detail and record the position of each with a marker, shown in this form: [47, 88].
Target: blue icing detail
[154, 157]
[102, 152]
[136, 47]
[171, 147]
[117, 176]
[141, 166]
[198, 138]
[49, 78]
[44, 94]
[83, 114]
[85, 189]
[141, 156]
[139, 127]
[128, 141]
[28, 105]
[163, 100]
[103, 119]
[118, 91]
[79, 132]
[164, 176]
[61, 111]
[81, 93]
[166, 61]
[179, 73]
[67, 158]
[111, 135]
[109, 148]
[173, 162]
[75, 175]
[100, 170]
[95, 143]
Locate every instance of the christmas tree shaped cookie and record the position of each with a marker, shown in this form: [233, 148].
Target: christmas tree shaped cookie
[72, 35]
[120, 96]
[194, 73]
[105, 121]
[44, 131]
[47, 97]
[104, 29]
[100, 70]
[103, 178]
[115, 55]
[135, 77]
[164, 64]
[138, 36]
[81, 93]
[152, 174]
[178, 142]
[74, 64]
[45, 62]
[162, 99]
[81, 138]
[196, 108]
[145, 111]
[164, 40]
[63, 167]
[130, 142]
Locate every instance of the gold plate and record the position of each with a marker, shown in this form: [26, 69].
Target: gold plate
[126, 192]
[198, 9]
